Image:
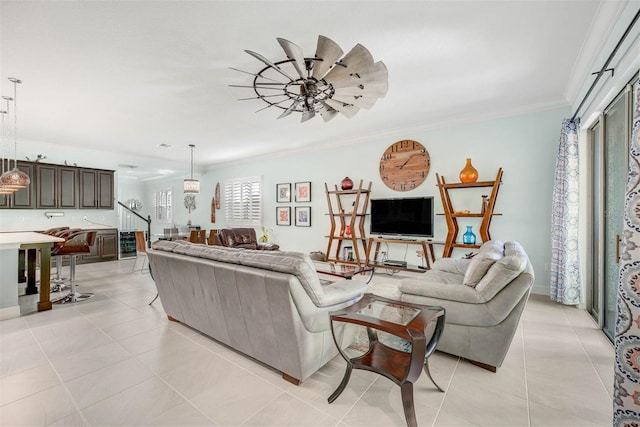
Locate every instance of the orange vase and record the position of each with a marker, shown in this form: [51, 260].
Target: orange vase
[469, 173]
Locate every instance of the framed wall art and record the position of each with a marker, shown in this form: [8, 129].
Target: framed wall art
[303, 191]
[283, 193]
[303, 216]
[283, 215]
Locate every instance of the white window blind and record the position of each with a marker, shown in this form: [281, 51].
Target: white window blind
[243, 202]
[163, 206]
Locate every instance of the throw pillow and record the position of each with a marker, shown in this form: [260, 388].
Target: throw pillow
[489, 253]
[504, 271]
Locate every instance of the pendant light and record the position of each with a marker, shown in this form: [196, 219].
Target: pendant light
[15, 178]
[191, 186]
[4, 190]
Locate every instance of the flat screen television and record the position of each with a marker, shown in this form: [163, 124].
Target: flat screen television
[403, 217]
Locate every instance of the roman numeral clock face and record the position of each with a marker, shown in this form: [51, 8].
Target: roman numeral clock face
[404, 165]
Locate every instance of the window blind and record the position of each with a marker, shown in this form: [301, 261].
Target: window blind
[163, 206]
[243, 202]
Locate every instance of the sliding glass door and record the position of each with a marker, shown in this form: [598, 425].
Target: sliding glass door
[610, 147]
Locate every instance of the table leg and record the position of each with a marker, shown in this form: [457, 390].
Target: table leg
[406, 389]
[45, 277]
[22, 260]
[343, 384]
[428, 372]
[31, 272]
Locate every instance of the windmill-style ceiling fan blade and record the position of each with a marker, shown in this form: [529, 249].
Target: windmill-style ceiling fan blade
[327, 112]
[307, 115]
[374, 75]
[330, 52]
[369, 91]
[347, 110]
[358, 101]
[294, 52]
[358, 59]
[289, 110]
[269, 63]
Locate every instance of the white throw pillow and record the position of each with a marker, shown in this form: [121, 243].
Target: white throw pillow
[489, 253]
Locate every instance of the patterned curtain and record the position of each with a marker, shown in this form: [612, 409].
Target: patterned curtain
[626, 393]
[565, 264]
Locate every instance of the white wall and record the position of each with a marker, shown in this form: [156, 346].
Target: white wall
[524, 146]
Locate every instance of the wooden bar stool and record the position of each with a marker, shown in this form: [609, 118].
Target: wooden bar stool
[77, 243]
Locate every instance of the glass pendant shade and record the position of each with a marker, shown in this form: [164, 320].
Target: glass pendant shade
[191, 186]
[15, 178]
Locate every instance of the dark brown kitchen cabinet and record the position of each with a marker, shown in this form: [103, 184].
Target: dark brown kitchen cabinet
[105, 247]
[57, 187]
[96, 189]
[25, 197]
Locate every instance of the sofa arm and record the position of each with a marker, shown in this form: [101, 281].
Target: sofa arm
[339, 295]
[341, 291]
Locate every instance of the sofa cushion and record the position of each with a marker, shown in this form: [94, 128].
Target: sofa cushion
[489, 253]
[440, 285]
[504, 270]
[452, 265]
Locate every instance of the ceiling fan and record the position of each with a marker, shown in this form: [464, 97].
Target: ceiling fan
[324, 84]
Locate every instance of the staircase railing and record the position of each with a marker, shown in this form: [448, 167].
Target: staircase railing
[147, 220]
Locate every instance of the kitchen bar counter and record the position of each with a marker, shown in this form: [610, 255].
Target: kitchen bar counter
[10, 243]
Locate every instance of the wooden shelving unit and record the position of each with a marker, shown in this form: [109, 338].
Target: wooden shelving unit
[347, 208]
[452, 216]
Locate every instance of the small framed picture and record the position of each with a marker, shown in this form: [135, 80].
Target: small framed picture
[303, 216]
[303, 191]
[283, 193]
[283, 215]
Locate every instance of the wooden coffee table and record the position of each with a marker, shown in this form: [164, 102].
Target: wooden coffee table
[404, 320]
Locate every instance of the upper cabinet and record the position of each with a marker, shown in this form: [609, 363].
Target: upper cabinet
[57, 187]
[62, 187]
[96, 189]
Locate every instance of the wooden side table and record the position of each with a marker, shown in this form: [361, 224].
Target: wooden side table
[404, 320]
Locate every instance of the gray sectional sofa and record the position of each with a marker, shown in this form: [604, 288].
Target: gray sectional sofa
[269, 305]
[483, 298]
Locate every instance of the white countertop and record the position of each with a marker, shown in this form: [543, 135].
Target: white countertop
[14, 240]
[82, 226]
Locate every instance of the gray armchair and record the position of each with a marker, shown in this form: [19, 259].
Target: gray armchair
[483, 297]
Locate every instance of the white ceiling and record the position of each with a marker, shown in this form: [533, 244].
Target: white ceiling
[127, 76]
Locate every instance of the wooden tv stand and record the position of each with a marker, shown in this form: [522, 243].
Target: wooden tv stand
[427, 250]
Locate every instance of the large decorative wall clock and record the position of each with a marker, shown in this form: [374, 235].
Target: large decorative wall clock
[404, 165]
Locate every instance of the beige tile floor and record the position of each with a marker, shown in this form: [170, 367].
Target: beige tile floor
[115, 360]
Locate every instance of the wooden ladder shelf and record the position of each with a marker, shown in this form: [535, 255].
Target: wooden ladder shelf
[452, 216]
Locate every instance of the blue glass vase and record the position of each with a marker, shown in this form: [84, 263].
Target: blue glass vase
[468, 238]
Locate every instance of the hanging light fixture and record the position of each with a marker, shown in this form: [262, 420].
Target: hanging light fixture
[191, 186]
[323, 84]
[4, 190]
[15, 178]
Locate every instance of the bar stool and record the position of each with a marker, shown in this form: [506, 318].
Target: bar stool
[57, 281]
[77, 243]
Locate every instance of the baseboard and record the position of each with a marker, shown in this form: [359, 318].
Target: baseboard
[540, 290]
[10, 312]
